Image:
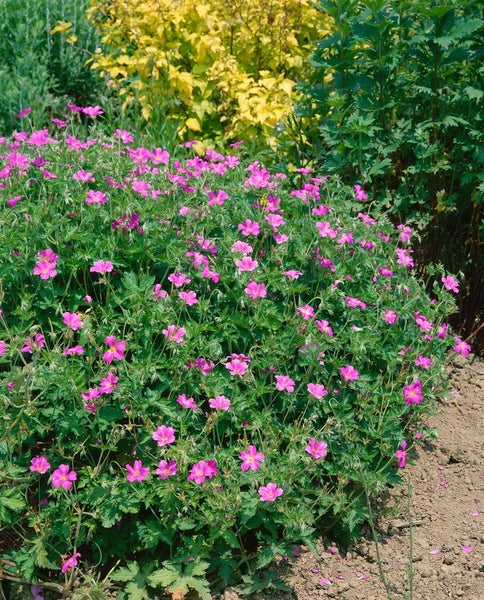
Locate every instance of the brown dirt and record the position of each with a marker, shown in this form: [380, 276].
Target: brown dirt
[446, 513]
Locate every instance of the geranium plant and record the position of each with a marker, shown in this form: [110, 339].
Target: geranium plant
[202, 362]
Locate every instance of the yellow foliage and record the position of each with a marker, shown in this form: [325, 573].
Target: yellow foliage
[226, 69]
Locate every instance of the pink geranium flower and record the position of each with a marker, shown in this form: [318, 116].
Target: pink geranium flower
[450, 283]
[284, 383]
[349, 373]
[164, 435]
[219, 403]
[46, 270]
[101, 266]
[166, 468]
[324, 327]
[39, 464]
[390, 316]
[186, 402]
[461, 347]
[108, 384]
[72, 320]
[203, 470]
[236, 366]
[317, 390]
[115, 349]
[95, 197]
[255, 290]
[402, 455]
[137, 472]
[306, 311]
[178, 279]
[246, 264]
[189, 297]
[270, 492]
[413, 393]
[249, 227]
[63, 477]
[423, 361]
[292, 274]
[316, 448]
[71, 562]
[251, 459]
[174, 333]
[158, 293]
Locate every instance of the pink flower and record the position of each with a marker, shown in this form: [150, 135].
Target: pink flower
[166, 468]
[186, 402]
[255, 290]
[95, 197]
[189, 297]
[83, 176]
[423, 361]
[174, 333]
[39, 464]
[236, 366]
[284, 383]
[461, 347]
[33, 344]
[158, 293]
[217, 197]
[3, 346]
[402, 455]
[423, 323]
[280, 238]
[71, 562]
[45, 270]
[349, 373]
[243, 247]
[63, 477]
[325, 229]
[203, 470]
[48, 255]
[108, 384]
[324, 327]
[450, 283]
[360, 193]
[246, 264]
[219, 403]
[251, 459]
[390, 316]
[306, 311]
[404, 257]
[72, 320]
[178, 279]
[442, 331]
[292, 274]
[115, 349]
[137, 472]
[317, 390]
[249, 227]
[355, 303]
[92, 111]
[406, 233]
[101, 266]
[164, 435]
[316, 449]
[413, 393]
[270, 492]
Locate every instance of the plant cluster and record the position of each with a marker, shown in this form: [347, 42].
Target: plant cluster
[39, 68]
[220, 70]
[202, 362]
[396, 99]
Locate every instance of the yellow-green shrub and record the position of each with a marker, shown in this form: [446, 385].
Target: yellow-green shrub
[225, 69]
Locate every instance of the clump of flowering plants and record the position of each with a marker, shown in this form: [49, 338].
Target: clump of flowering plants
[202, 362]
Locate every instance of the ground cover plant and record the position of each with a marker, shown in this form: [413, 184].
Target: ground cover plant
[203, 362]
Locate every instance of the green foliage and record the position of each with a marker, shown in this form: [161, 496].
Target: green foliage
[397, 104]
[309, 372]
[39, 68]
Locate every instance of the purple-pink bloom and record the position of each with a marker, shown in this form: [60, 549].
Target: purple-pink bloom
[413, 393]
[203, 470]
[423, 323]
[251, 459]
[246, 264]
[95, 197]
[390, 316]
[189, 297]
[39, 464]
[166, 468]
[317, 390]
[355, 302]
[178, 279]
[63, 477]
[219, 403]
[324, 327]
[137, 472]
[236, 366]
[316, 448]
[115, 349]
[423, 361]
[402, 455]
[101, 266]
[270, 492]
[450, 284]
[44, 269]
[74, 350]
[255, 290]
[71, 562]
[461, 347]
[349, 373]
[292, 274]
[72, 320]
[174, 333]
[360, 193]
[108, 384]
[158, 293]
[186, 402]
[284, 383]
[92, 111]
[306, 311]
[249, 227]
[164, 435]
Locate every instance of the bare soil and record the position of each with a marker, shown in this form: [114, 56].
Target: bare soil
[430, 532]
